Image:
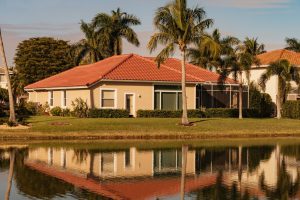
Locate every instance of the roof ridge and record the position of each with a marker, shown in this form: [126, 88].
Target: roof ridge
[170, 68]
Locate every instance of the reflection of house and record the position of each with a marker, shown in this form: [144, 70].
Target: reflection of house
[135, 83]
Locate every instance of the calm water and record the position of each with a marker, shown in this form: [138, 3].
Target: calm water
[108, 170]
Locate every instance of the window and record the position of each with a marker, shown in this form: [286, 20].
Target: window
[108, 98]
[167, 97]
[51, 99]
[64, 98]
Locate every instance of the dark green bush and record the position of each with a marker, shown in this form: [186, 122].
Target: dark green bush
[230, 113]
[291, 109]
[80, 108]
[168, 113]
[31, 108]
[108, 113]
[65, 112]
[56, 111]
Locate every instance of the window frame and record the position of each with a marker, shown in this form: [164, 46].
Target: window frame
[177, 92]
[64, 98]
[51, 97]
[115, 98]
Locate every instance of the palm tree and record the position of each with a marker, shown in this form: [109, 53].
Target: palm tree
[210, 48]
[113, 28]
[91, 49]
[235, 64]
[178, 26]
[285, 73]
[293, 44]
[12, 116]
[253, 47]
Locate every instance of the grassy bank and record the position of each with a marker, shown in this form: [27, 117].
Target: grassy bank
[43, 127]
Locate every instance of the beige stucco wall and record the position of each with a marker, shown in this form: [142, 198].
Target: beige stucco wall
[143, 95]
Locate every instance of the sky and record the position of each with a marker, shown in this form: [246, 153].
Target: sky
[269, 20]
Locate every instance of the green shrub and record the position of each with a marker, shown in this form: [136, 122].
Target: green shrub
[108, 113]
[80, 108]
[168, 113]
[31, 108]
[56, 111]
[291, 109]
[230, 113]
[65, 112]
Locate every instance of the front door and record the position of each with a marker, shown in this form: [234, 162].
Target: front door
[129, 104]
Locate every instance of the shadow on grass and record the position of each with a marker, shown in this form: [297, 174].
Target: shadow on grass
[202, 120]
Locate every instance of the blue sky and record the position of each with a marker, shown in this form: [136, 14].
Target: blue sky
[269, 20]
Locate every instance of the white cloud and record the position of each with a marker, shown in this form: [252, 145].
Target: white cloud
[250, 3]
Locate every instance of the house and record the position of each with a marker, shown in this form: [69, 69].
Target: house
[134, 82]
[3, 80]
[272, 85]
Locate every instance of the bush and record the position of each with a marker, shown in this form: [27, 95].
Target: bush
[168, 113]
[56, 111]
[80, 108]
[108, 113]
[65, 112]
[209, 113]
[291, 109]
[262, 102]
[31, 108]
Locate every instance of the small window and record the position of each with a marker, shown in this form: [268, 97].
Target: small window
[108, 98]
[64, 98]
[51, 98]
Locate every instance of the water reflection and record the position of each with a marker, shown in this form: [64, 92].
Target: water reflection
[190, 172]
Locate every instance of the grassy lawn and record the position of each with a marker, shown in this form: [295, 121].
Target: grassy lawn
[67, 127]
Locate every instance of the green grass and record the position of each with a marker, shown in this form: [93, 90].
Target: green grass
[43, 127]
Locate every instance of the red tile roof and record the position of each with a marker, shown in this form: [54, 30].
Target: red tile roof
[126, 68]
[273, 56]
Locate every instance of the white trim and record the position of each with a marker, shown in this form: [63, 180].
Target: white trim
[62, 98]
[49, 98]
[56, 88]
[115, 98]
[195, 97]
[133, 96]
[153, 97]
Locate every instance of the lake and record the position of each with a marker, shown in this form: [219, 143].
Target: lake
[207, 169]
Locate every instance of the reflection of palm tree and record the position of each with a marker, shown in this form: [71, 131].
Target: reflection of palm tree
[183, 170]
[10, 174]
[285, 187]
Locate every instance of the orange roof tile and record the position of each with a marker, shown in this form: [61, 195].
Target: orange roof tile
[129, 68]
[273, 56]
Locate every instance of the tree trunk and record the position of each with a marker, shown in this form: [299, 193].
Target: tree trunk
[10, 174]
[240, 95]
[278, 99]
[184, 119]
[183, 170]
[12, 117]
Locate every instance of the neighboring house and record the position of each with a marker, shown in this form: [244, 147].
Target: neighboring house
[134, 82]
[272, 85]
[3, 80]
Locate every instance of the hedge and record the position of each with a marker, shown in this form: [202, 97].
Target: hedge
[168, 113]
[108, 113]
[291, 109]
[208, 113]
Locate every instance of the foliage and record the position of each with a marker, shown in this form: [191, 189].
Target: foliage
[291, 109]
[168, 113]
[56, 111]
[80, 108]
[108, 113]
[39, 58]
[66, 112]
[293, 44]
[230, 113]
[3, 95]
[31, 108]
[253, 47]
[261, 102]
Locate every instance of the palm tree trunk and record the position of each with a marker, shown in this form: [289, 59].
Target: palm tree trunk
[240, 95]
[12, 117]
[183, 170]
[10, 174]
[278, 99]
[184, 119]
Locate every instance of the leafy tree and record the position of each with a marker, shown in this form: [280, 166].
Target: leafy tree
[39, 58]
[178, 26]
[209, 49]
[285, 73]
[293, 44]
[3, 95]
[253, 47]
[115, 27]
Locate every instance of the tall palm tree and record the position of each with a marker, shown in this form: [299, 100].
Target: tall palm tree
[115, 27]
[92, 48]
[12, 116]
[178, 26]
[236, 64]
[293, 44]
[285, 73]
[209, 49]
[253, 47]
